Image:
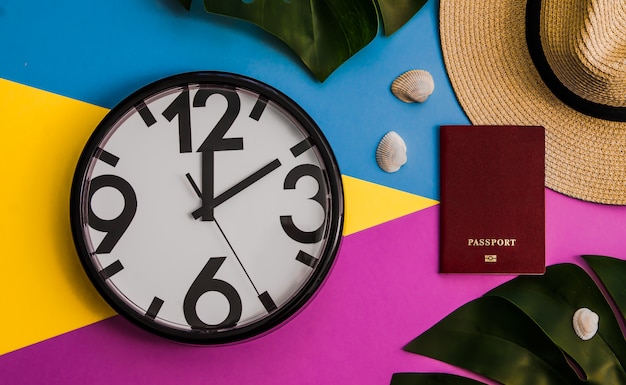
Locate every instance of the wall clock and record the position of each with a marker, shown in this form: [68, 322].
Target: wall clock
[207, 208]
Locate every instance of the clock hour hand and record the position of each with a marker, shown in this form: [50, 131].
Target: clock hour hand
[245, 183]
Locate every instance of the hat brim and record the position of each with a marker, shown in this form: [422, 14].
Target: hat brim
[495, 81]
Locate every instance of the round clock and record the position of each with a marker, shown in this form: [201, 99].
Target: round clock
[207, 208]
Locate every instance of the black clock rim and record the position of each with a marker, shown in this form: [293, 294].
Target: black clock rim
[335, 228]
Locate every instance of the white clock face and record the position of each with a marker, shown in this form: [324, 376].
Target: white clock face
[207, 208]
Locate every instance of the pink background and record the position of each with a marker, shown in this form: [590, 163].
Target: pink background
[384, 291]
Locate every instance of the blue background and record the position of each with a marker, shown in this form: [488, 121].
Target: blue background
[100, 52]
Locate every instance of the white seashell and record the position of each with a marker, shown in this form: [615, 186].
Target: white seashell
[391, 152]
[413, 86]
[585, 323]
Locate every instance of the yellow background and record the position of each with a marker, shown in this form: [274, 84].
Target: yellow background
[43, 290]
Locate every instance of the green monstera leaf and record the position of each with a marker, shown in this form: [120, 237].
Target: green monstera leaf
[521, 332]
[323, 33]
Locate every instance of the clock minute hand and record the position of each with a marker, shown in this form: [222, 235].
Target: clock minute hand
[245, 183]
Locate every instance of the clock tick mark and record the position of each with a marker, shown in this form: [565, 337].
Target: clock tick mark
[307, 259]
[111, 270]
[258, 108]
[301, 147]
[106, 157]
[145, 113]
[154, 308]
[267, 302]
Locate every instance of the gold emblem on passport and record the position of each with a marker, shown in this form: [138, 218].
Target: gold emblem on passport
[491, 258]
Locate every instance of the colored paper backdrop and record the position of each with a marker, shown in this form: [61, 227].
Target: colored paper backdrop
[63, 64]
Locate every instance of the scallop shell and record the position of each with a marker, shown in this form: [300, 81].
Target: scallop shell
[413, 86]
[391, 152]
[585, 323]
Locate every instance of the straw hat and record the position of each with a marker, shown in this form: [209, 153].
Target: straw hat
[560, 64]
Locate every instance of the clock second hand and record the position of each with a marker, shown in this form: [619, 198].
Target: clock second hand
[265, 298]
[236, 257]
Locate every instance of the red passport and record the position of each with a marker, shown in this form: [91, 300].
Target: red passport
[492, 212]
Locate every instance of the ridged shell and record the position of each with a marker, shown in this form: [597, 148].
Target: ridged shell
[585, 323]
[413, 86]
[391, 152]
